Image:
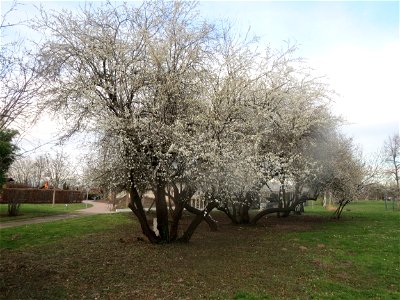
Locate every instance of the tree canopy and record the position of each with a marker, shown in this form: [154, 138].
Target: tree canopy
[182, 106]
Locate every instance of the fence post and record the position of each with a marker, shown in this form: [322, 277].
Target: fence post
[54, 196]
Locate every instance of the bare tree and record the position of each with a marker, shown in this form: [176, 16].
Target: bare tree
[39, 169]
[392, 159]
[33, 171]
[17, 71]
[22, 171]
[58, 168]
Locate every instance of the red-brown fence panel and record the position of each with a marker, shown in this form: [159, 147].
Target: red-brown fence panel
[30, 195]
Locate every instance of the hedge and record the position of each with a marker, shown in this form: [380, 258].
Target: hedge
[32, 195]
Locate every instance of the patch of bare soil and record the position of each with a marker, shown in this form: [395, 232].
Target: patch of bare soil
[292, 223]
[118, 265]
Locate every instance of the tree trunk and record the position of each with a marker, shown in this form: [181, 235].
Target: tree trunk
[398, 185]
[286, 204]
[13, 208]
[234, 214]
[339, 210]
[228, 213]
[161, 211]
[211, 223]
[176, 217]
[282, 201]
[287, 210]
[244, 214]
[137, 208]
[299, 209]
[180, 198]
[265, 212]
[336, 214]
[196, 222]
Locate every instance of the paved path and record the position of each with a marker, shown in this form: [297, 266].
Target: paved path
[97, 208]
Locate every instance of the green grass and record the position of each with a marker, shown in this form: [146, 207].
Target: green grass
[29, 211]
[300, 257]
[362, 248]
[50, 232]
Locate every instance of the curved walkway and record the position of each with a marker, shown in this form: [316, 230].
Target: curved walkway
[96, 208]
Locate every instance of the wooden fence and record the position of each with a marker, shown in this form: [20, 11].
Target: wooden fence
[31, 195]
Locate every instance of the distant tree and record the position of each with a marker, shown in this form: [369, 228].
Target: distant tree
[7, 152]
[375, 191]
[343, 172]
[39, 168]
[7, 156]
[33, 171]
[21, 171]
[58, 168]
[28, 171]
[392, 159]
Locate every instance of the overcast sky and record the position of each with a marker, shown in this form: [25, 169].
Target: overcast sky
[355, 44]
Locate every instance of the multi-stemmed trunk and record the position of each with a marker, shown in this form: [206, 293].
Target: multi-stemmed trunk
[239, 213]
[211, 223]
[181, 200]
[180, 197]
[283, 211]
[196, 222]
[339, 210]
[161, 212]
[169, 233]
[244, 216]
[13, 208]
[238, 208]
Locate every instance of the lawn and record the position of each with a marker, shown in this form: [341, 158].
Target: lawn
[300, 257]
[28, 236]
[29, 211]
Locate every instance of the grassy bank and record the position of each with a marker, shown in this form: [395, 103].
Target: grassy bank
[29, 211]
[300, 257]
